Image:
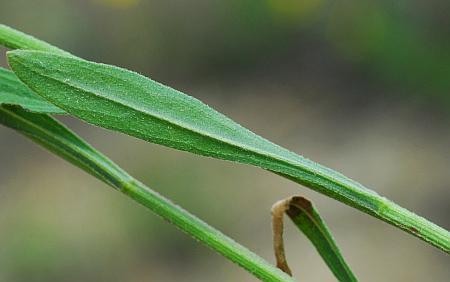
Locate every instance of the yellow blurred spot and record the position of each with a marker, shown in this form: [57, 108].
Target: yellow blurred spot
[294, 10]
[118, 3]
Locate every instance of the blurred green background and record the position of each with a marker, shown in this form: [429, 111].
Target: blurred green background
[360, 86]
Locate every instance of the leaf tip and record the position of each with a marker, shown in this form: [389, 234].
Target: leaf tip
[14, 57]
[20, 60]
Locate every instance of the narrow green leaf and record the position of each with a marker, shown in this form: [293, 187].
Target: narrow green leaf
[52, 135]
[125, 101]
[15, 39]
[306, 217]
[14, 92]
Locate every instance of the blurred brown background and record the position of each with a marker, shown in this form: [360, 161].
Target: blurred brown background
[360, 86]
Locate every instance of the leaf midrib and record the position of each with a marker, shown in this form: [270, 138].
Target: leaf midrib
[296, 165]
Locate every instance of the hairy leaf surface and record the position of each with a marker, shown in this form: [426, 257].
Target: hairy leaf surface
[125, 101]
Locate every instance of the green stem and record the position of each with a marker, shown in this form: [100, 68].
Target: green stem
[309, 174]
[51, 134]
[415, 225]
[54, 136]
[375, 205]
[205, 233]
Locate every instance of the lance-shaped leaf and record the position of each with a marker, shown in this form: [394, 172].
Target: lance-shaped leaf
[52, 135]
[125, 101]
[14, 92]
[60, 140]
[306, 217]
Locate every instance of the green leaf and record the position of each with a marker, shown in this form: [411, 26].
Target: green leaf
[14, 92]
[15, 39]
[306, 217]
[54, 136]
[125, 101]
[66, 144]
